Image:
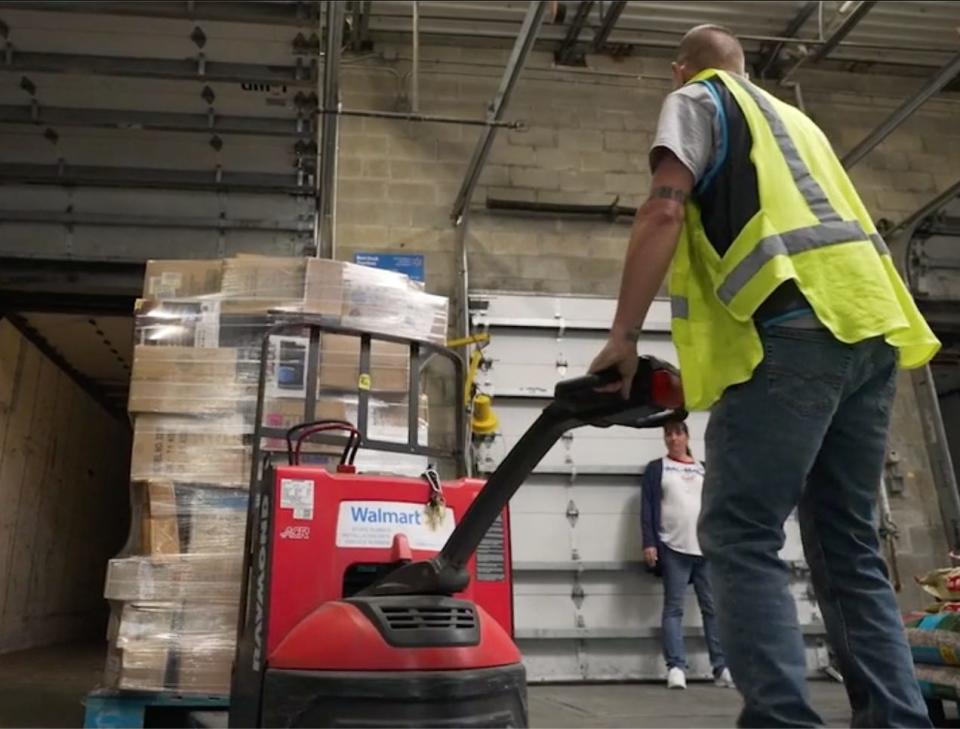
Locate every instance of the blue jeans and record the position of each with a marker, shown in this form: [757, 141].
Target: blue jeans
[679, 570]
[809, 431]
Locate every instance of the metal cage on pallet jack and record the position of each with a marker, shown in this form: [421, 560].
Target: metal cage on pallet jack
[420, 353]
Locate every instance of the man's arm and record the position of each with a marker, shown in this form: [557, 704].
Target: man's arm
[653, 241]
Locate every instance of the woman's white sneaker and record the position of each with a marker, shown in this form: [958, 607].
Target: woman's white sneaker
[724, 679]
[676, 679]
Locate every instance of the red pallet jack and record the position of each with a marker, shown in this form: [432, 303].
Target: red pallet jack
[361, 607]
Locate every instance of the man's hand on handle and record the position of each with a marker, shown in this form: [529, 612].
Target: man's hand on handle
[620, 351]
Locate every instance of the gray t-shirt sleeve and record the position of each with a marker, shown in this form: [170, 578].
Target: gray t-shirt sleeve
[688, 128]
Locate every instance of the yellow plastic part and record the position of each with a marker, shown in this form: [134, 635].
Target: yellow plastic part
[472, 339]
[484, 419]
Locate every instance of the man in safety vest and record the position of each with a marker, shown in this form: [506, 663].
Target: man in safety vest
[790, 321]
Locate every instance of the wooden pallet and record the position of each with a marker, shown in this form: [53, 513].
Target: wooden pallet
[111, 709]
[939, 717]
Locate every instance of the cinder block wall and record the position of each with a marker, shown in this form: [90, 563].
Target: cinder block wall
[587, 141]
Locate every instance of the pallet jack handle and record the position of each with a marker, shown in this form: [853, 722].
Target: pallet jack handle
[655, 399]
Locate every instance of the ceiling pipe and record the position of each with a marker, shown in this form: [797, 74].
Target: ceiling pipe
[330, 129]
[415, 77]
[936, 84]
[518, 57]
[846, 27]
[770, 58]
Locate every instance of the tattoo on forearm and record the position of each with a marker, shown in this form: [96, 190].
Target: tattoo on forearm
[668, 193]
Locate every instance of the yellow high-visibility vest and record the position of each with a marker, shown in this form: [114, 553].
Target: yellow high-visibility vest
[809, 226]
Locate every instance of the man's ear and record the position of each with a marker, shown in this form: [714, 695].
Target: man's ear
[677, 70]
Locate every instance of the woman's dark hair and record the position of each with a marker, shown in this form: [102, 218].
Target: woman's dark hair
[676, 425]
[680, 426]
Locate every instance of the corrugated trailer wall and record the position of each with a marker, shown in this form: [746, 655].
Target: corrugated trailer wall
[63, 499]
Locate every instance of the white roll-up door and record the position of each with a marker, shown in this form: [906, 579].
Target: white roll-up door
[586, 609]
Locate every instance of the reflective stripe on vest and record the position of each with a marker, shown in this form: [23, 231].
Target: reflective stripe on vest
[679, 307]
[789, 244]
[831, 229]
[812, 193]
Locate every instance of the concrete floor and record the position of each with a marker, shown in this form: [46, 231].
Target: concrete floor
[652, 705]
[45, 687]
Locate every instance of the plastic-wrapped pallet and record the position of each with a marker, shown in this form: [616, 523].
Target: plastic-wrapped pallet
[174, 589]
[353, 296]
[160, 646]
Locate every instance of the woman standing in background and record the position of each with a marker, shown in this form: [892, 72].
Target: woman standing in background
[672, 487]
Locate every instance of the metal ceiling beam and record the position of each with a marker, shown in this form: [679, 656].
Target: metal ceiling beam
[607, 24]
[194, 69]
[164, 121]
[138, 177]
[46, 217]
[630, 37]
[266, 13]
[771, 56]
[845, 28]
[568, 52]
[518, 57]
[944, 76]
[330, 131]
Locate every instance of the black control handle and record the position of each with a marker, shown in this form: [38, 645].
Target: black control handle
[587, 383]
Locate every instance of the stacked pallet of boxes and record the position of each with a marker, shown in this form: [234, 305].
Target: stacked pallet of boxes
[934, 636]
[174, 590]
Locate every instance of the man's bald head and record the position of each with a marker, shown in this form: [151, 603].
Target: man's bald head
[709, 46]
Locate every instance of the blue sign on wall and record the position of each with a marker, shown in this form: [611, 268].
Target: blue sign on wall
[409, 263]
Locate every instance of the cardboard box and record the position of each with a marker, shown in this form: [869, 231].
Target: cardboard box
[202, 449]
[207, 578]
[150, 666]
[258, 284]
[177, 279]
[189, 518]
[386, 420]
[141, 667]
[187, 380]
[161, 499]
[287, 412]
[182, 647]
[340, 364]
[193, 323]
[216, 518]
[338, 367]
[287, 367]
[160, 536]
[155, 504]
[184, 364]
[323, 287]
[388, 302]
